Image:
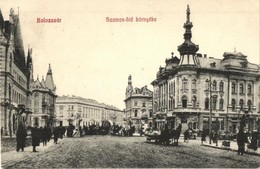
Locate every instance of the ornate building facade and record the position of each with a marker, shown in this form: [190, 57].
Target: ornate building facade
[138, 103]
[43, 101]
[81, 111]
[197, 90]
[17, 87]
[15, 74]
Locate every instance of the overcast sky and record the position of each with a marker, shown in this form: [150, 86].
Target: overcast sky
[93, 58]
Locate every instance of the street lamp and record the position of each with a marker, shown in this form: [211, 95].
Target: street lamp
[210, 108]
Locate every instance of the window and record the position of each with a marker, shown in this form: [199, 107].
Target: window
[241, 88]
[135, 113]
[184, 84]
[207, 103]
[214, 103]
[233, 103]
[241, 104]
[194, 99]
[143, 104]
[233, 87]
[184, 102]
[155, 106]
[151, 114]
[249, 104]
[174, 87]
[221, 104]
[61, 107]
[193, 86]
[221, 86]
[249, 89]
[214, 85]
[135, 103]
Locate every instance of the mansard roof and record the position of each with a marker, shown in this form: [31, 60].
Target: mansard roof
[231, 62]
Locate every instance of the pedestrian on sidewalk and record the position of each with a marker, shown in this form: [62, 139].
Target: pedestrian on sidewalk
[56, 134]
[45, 136]
[241, 140]
[20, 137]
[186, 136]
[35, 138]
[2, 131]
[203, 136]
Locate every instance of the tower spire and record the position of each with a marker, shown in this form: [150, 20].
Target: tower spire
[129, 80]
[188, 49]
[49, 70]
[188, 13]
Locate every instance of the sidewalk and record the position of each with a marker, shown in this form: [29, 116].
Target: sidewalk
[233, 147]
[10, 157]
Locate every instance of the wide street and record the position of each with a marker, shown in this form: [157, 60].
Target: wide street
[131, 152]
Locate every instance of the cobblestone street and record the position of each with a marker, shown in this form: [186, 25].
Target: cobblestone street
[113, 151]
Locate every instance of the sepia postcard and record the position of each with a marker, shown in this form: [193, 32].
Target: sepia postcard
[130, 84]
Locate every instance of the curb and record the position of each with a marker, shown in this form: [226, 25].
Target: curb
[249, 153]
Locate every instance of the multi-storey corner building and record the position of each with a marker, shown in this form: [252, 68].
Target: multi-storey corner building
[81, 111]
[15, 75]
[195, 89]
[138, 103]
[43, 101]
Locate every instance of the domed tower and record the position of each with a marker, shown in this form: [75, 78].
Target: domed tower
[188, 49]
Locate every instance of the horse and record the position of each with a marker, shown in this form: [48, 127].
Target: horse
[175, 134]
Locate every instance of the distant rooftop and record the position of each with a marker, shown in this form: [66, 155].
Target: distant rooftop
[82, 100]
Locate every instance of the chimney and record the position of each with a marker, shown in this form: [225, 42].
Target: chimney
[205, 55]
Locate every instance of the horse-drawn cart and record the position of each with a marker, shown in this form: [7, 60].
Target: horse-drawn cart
[165, 137]
[160, 139]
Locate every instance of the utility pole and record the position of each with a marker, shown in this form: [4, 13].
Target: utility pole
[210, 110]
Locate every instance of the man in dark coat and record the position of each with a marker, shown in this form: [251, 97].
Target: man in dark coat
[203, 136]
[241, 140]
[35, 138]
[45, 135]
[20, 137]
[56, 134]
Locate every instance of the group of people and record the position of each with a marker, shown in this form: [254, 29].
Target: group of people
[38, 135]
[242, 138]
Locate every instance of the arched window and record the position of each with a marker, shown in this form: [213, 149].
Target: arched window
[135, 113]
[249, 104]
[207, 103]
[221, 86]
[233, 103]
[194, 100]
[241, 104]
[221, 104]
[214, 103]
[214, 85]
[249, 89]
[233, 87]
[184, 102]
[241, 88]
